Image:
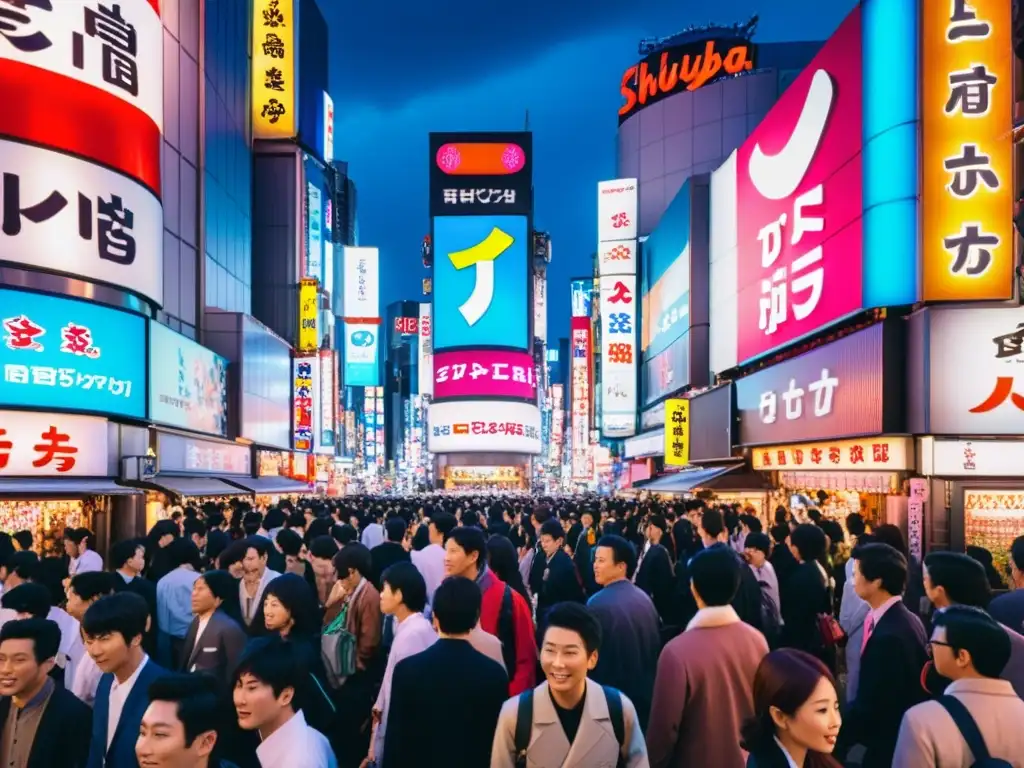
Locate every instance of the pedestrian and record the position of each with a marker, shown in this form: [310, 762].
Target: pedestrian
[84, 590]
[980, 716]
[807, 594]
[630, 628]
[757, 550]
[425, 702]
[565, 720]
[372, 535]
[174, 599]
[31, 600]
[747, 601]
[430, 559]
[255, 576]
[181, 727]
[503, 560]
[559, 580]
[1008, 608]
[215, 639]
[704, 676]
[390, 551]
[853, 611]
[83, 557]
[159, 537]
[796, 713]
[655, 574]
[322, 550]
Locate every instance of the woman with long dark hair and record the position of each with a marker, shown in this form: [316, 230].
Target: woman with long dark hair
[796, 713]
[504, 561]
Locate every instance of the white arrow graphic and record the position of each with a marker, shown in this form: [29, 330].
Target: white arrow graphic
[482, 256]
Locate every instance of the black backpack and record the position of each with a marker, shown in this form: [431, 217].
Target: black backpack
[524, 723]
[971, 734]
[507, 632]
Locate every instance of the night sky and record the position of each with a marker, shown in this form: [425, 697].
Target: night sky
[401, 70]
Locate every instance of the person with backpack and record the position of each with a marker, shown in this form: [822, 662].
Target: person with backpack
[569, 720]
[977, 722]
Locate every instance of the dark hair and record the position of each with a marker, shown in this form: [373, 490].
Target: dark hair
[881, 561]
[779, 533]
[470, 540]
[752, 523]
[323, 547]
[125, 613]
[503, 560]
[198, 700]
[712, 523]
[274, 662]
[456, 605]
[971, 629]
[123, 551]
[222, 585]
[395, 529]
[184, 552]
[318, 526]
[24, 538]
[407, 579]
[232, 553]
[855, 524]
[259, 543]
[961, 576]
[78, 535]
[1017, 552]
[622, 552]
[552, 528]
[758, 541]
[289, 542]
[343, 533]
[715, 575]
[44, 634]
[445, 523]
[194, 527]
[809, 541]
[541, 514]
[299, 600]
[354, 557]
[576, 618]
[92, 584]
[658, 521]
[890, 534]
[30, 598]
[785, 679]
[25, 564]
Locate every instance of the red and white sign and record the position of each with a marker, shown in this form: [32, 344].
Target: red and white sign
[617, 210]
[483, 426]
[52, 445]
[407, 326]
[483, 374]
[869, 453]
[799, 204]
[617, 257]
[425, 350]
[579, 424]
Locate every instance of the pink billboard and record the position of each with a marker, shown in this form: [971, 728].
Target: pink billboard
[798, 198]
[480, 373]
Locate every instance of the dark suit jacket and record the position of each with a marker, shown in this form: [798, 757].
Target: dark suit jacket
[804, 595]
[145, 589]
[889, 685]
[657, 578]
[383, 556]
[583, 558]
[64, 731]
[122, 749]
[425, 703]
[561, 585]
[217, 651]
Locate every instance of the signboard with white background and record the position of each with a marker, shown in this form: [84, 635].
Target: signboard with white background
[972, 458]
[618, 355]
[362, 283]
[52, 445]
[176, 453]
[484, 426]
[425, 350]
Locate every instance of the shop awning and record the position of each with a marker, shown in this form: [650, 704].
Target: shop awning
[195, 486]
[269, 485]
[686, 480]
[63, 486]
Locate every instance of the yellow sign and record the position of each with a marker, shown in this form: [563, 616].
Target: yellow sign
[967, 237]
[309, 312]
[868, 453]
[273, 69]
[677, 433]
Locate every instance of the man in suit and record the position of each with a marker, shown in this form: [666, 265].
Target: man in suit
[214, 641]
[654, 572]
[47, 725]
[892, 657]
[425, 703]
[559, 582]
[127, 559]
[113, 628]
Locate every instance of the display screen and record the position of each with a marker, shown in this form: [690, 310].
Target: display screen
[481, 373]
[188, 383]
[473, 426]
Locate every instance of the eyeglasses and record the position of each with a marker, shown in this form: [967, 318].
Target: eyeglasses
[931, 643]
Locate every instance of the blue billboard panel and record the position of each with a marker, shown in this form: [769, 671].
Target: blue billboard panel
[480, 282]
[188, 383]
[582, 294]
[361, 344]
[665, 278]
[69, 355]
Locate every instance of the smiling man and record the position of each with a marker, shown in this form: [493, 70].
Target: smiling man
[179, 728]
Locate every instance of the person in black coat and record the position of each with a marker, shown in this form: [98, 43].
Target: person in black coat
[391, 551]
[583, 555]
[559, 581]
[894, 654]
[655, 574]
[805, 594]
[448, 683]
[781, 558]
[126, 560]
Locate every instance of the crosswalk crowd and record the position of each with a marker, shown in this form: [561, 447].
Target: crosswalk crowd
[511, 632]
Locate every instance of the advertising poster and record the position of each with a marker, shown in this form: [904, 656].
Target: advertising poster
[309, 316]
[540, 307]
[306, 390]
[52, 445]
[314, 232]
[62, 354]
[666, 278]
[188, 383]
[328, 149]
[362, 283]
[481, 174]
[425, 349]
[677, 432]
[579, 392]
[582, 293]
[324, 435]
[617, 202]
[361, 355]
[484, 426]
[480, 281]
[484, 374]
[618, 355]
[274, 71]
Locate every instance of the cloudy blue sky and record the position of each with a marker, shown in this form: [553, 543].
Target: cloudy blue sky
[400, 70]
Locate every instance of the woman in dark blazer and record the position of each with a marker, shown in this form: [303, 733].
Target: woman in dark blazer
[806, 594]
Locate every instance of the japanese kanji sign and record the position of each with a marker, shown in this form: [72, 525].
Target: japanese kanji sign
[52, 445]
[481, 173]
[677, 432]
[306, 396]
[579, 399]
[618, 308]
[274, 84]
[309, 315]
[869, 453]
[470, 426]
[967, 236]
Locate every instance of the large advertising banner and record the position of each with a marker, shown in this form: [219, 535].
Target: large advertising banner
[425, 349]
[67, 355]
[618, 355]
[361, 355]
[967, 95]
[480, 282]
[481, 174]
[314, 232]
[361, 326]
[52, 445]
[274, 70]
[188, 384]
[305, 394]
[477, 373]
[324, 441]
[580, 401]
[82, 141]
[666, 278]
[582, 294]
[471, 426]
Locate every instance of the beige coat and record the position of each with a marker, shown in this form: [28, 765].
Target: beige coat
[928, 732]
[595, 745]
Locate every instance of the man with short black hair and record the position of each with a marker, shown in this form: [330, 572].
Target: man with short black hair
[704, 681]
[1008, 609]
[181, 724]
[84, 590]
[85, 558]
[42, 723]
[654, 572]
[174, 599]
[425, 702]
[389, 551]
[560, 582]
[747, 602]
[548, 722]
[128, 560]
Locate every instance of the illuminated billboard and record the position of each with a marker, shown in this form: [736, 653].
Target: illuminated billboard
[425, 350]
[361, 326]
[274, 75]
[579, 393]
[480, 282]
[471, 426]
[362, 343]
[481, 174]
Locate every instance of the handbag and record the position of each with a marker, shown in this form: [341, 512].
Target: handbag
[830, 630]
[338, 649]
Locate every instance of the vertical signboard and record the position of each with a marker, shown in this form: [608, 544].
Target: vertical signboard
[328, 148]
[274, 81]
[425, 350]
[579, 423]
[361, 326]
[324, 434]
[314, 232]
[540, 306]
[967, 236]
[309, 312]
[305, 390]
[677, 432]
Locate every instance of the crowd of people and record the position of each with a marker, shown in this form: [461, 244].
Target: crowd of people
[503, 631]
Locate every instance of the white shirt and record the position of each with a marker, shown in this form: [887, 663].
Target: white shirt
[412, 636]
[296, 745]
[118, 696]
[429, 561]
[86, 680]
[199, 635]
[71, 644]
[250, 605]
[89, 561]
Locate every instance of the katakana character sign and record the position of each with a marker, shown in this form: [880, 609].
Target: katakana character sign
[37, 213]
[620, 294]
[969, 170]
[972, 249]
[481, 256]
[964, 23]
[55, 445]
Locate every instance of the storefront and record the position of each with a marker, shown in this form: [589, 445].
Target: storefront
[57, 472]
[827, 427]
[508, 478]
[273, 484]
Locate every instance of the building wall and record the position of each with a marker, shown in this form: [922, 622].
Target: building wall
[692, 132]
[275, 262]
[226, 157]
[181, 189]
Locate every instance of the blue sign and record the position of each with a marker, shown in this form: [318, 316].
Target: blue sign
[69, 355]
[361, 344]
[480, 282]
[665, 279]
[582, 291]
